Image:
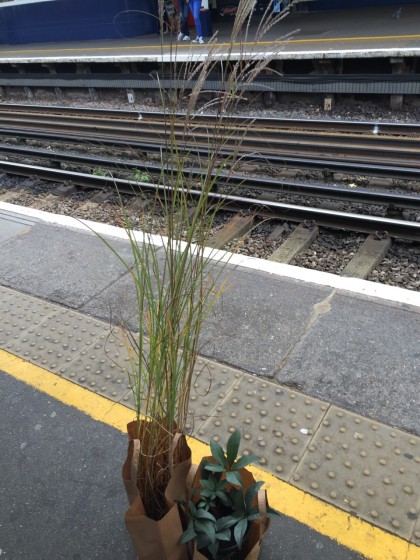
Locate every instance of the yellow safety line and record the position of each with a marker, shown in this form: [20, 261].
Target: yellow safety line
[347, 530]
[86, 50]
[377, 38]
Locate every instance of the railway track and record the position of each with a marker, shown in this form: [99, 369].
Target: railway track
[271, 140]
[235, 182]
[247, 199]
[331, 250]
[323, 125]
[90, 196]
[264, 207]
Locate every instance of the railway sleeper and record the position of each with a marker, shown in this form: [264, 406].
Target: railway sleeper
[369, 255]
[65, 190]
[235, 228]
[303, 235]
[140, 204]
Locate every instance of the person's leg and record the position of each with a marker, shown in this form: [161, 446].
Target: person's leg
[184, 12]
[196, 6]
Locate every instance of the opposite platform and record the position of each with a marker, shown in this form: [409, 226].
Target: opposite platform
[363, 33]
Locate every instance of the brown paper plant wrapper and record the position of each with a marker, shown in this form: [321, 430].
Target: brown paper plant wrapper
[156, 540]
[252, 542]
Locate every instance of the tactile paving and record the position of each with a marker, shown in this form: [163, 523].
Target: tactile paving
[416, 533]
[277, 424]
[19, 313]
[103, 367]
[58, 339]
[358, 465]
[365, 468]
[212, 382]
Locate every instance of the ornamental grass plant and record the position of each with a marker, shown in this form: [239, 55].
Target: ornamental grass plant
[176, 277]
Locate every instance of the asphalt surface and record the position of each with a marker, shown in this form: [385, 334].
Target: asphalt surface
[62, 496]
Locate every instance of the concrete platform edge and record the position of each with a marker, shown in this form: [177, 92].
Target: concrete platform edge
[352, 285]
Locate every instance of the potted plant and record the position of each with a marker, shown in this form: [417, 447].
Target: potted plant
[227, 512]
[176, 281]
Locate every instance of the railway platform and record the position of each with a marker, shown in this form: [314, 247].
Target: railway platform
[387, 31]
[320, 373]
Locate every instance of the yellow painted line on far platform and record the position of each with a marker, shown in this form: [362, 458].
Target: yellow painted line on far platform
[347, 530]
[175, 46]
[373, 38]
[329, 40]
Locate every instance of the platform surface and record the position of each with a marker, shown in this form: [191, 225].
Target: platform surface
[321, 375]
[369, 32]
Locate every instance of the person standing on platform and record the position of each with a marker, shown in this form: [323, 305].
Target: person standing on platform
[195, 7]
[169, 17]
[184, 12]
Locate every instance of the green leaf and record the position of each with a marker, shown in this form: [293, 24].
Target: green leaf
[206, 527]
[208, 484]
[253, 511]
[239, 532]
[223, 497]
[189, 534]
[202, 541]
[226, 522]
[214, 467]
[203, 514]
[217, 453]
[233, 477]
[252, 492]
[224, 535]
[245, 461]
[203, 466]
[232, 447]
[213, 548]
[272, 512]
[191, 507]
[220, 485]
[238, 500]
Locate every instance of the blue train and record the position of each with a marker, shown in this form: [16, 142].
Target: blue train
[41, 21]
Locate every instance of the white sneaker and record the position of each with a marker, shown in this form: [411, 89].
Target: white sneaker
[180, 36]
[186, 38]
[199, 40]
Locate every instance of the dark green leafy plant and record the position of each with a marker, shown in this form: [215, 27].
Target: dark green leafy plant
[221, 510]
[141, 176]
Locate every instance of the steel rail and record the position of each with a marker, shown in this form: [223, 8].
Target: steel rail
[276, 186]
[251, 137]
[341, 220]
[323, 164]
[328, 125]
[261, 148]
